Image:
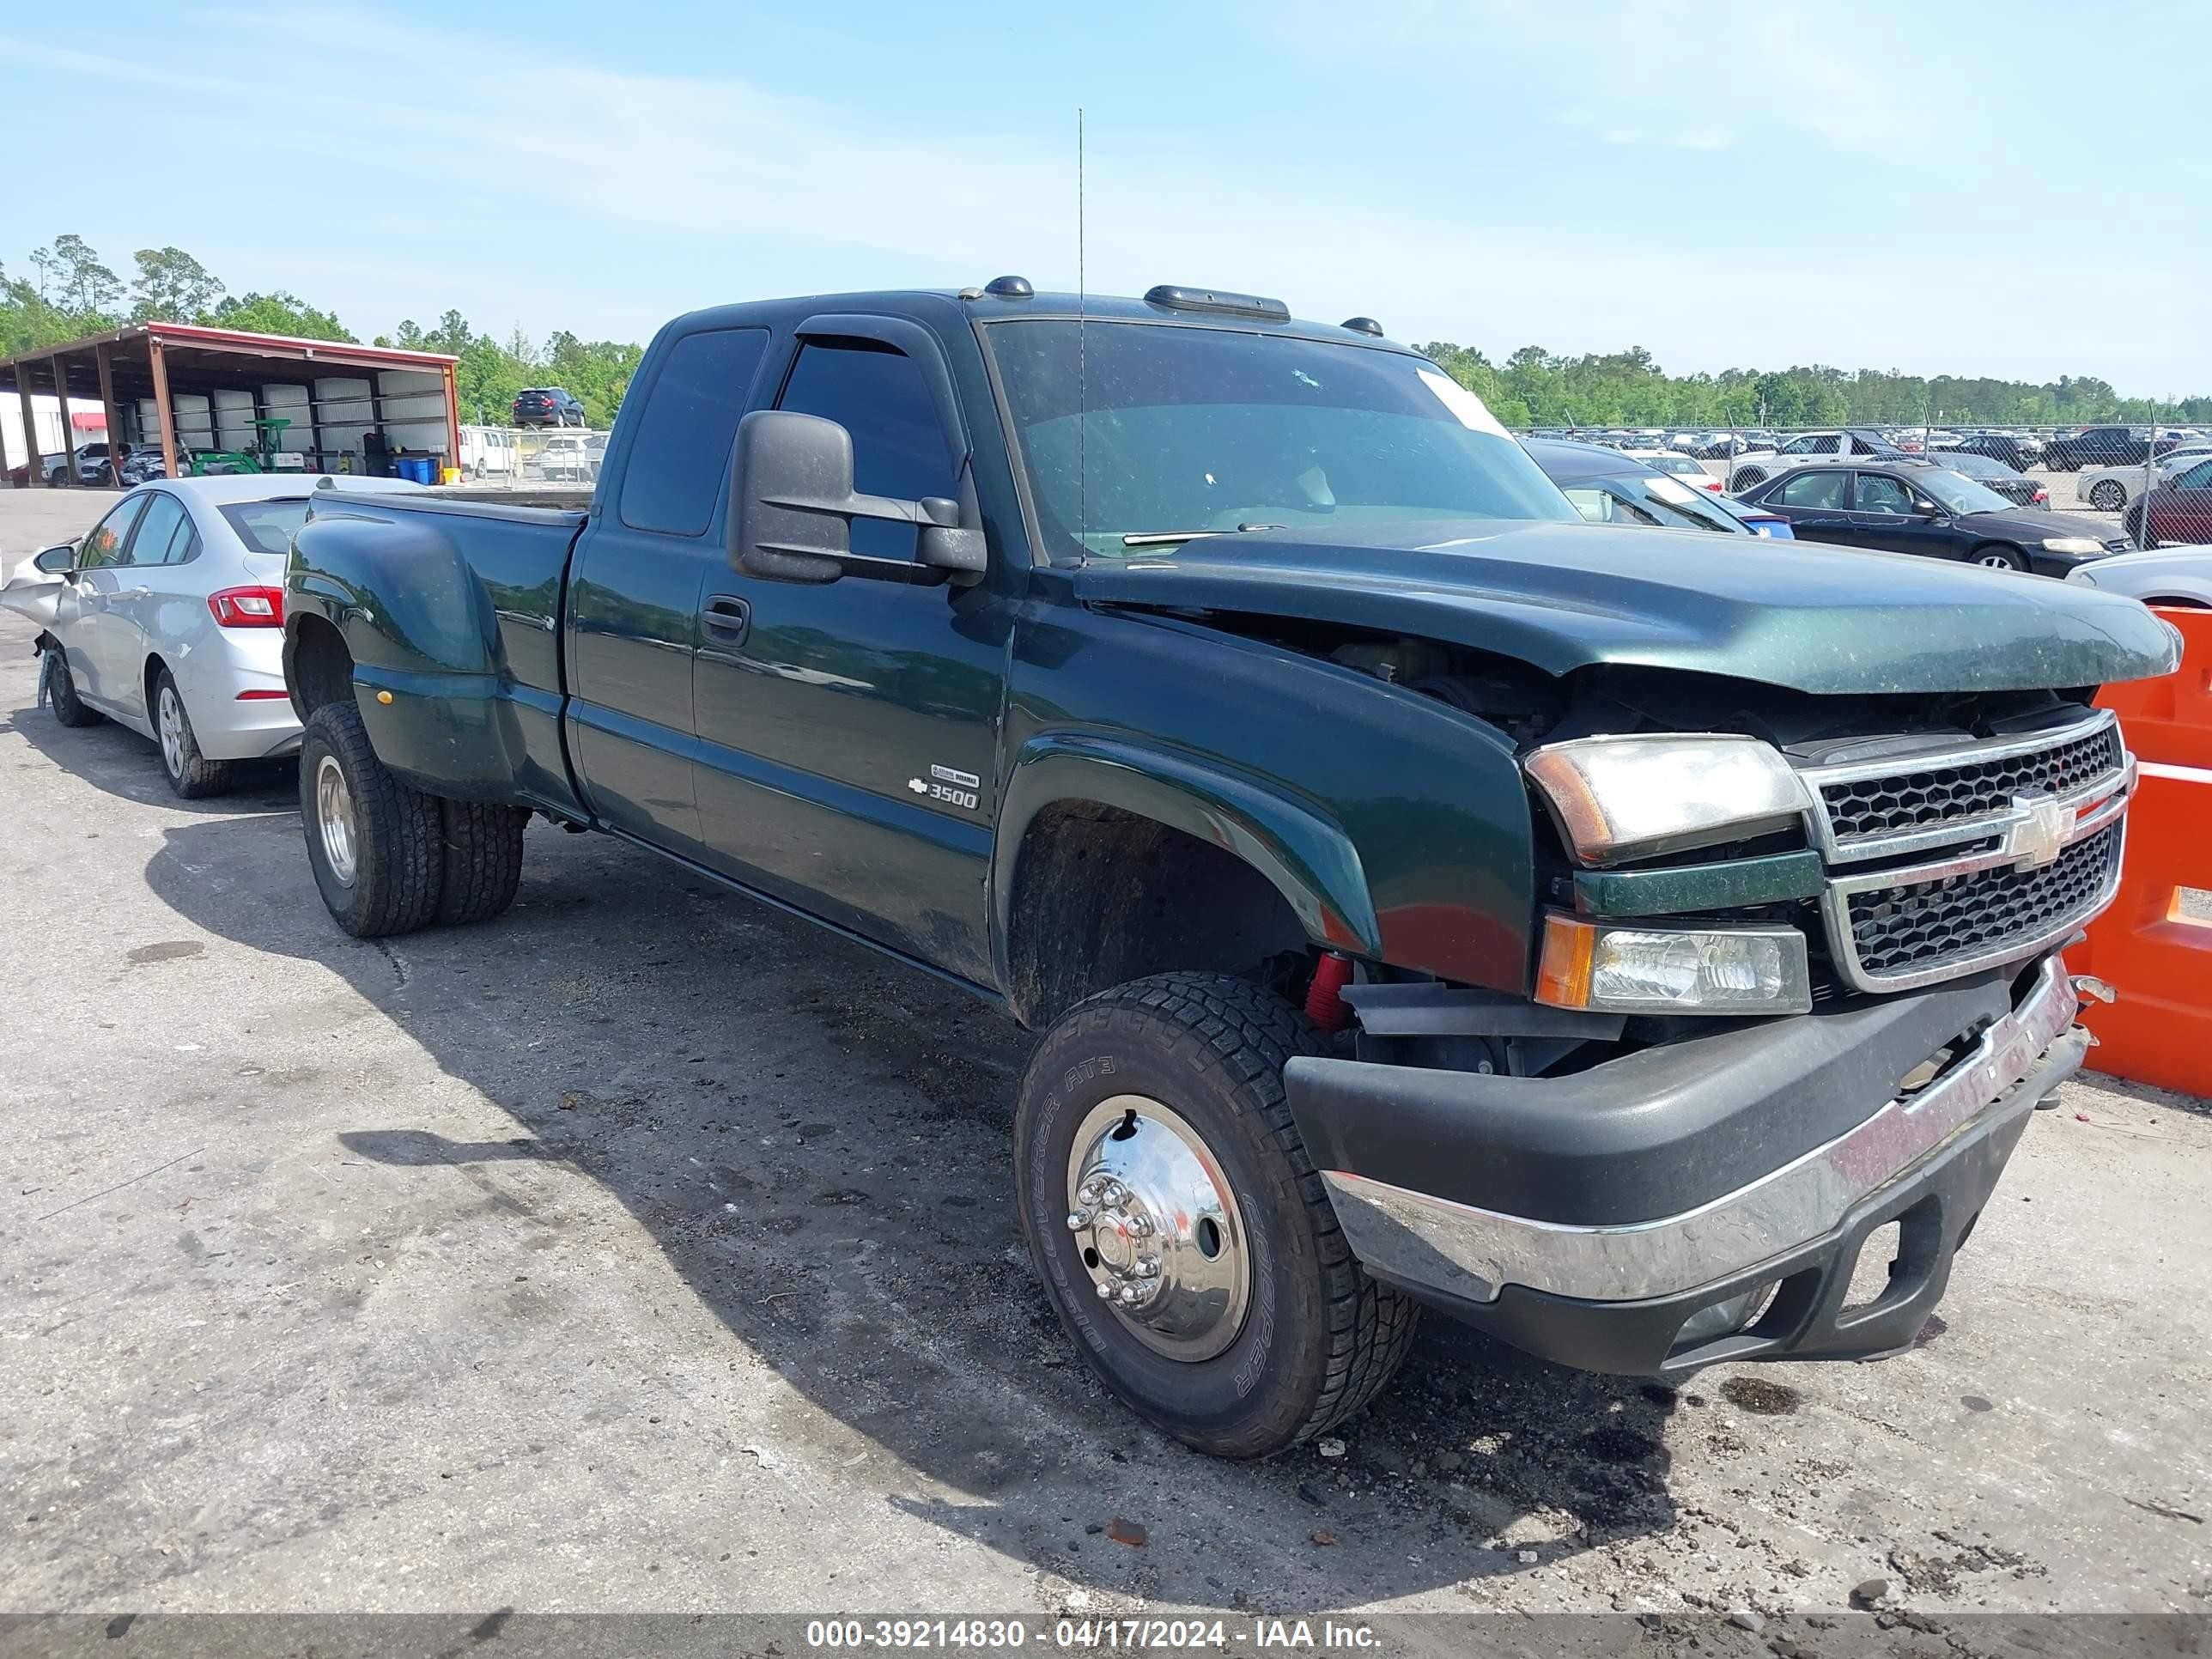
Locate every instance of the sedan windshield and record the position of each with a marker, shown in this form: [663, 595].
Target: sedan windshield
[1956, 492]
[1136, 437]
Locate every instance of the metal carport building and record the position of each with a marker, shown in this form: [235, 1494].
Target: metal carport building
[189, 387]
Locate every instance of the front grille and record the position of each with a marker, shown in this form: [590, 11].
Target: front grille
[1914, 799]
[1928, 924]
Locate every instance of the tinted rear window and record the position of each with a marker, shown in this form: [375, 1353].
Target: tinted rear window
[266, 527]
[682, 447]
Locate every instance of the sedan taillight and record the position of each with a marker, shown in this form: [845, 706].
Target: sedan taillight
[248, 607]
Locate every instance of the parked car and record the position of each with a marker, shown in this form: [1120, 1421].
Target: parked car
[1681, 466]
[1756, 466]
[1607, 487]
[167, 618]
[2178, 508]
[488, 452]
[2018, 452]
[547, 406]
[1909, 505]
[2171, 576]
[2111, 487]
[564, 460]
[2020, 491]
[143, 462]
[2102, 445]
[90, 462]
[1463, 788]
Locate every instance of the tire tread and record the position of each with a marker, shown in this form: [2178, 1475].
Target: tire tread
[399, 888]
[480, 852]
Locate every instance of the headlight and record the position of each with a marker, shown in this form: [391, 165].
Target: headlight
[2083, 546]
[1638, 969]
[1625, 798]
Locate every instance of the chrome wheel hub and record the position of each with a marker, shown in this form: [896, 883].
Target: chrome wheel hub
[171, 722]
[1156, 1224]
[334, 816]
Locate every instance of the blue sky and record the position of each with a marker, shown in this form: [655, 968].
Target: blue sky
[2010, 189]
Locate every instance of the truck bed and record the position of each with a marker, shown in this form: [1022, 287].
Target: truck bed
[449, 601]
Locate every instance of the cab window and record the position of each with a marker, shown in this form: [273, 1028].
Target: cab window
[1879, 493]
[104, 546]
[164, 535]
[877, 394]
[1823, 490]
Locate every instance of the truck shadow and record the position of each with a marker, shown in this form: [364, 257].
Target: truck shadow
[816, 1140]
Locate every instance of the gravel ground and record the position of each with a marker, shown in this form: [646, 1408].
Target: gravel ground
[647, 1249]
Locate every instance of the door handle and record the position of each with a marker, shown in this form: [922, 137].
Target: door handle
[728, 615]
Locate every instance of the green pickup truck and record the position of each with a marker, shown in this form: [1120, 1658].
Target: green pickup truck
[1422, 897]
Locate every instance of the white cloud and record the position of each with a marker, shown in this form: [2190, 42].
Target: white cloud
[516, 181]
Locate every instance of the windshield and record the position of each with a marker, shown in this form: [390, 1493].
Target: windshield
[1136, 436]
[266, 527]
[1956, 492]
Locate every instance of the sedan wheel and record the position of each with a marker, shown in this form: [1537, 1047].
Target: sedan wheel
[173, 731]
[2109, 494]
[1998, 558]
[192, 774]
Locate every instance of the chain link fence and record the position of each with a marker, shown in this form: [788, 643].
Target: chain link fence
[2107, 470]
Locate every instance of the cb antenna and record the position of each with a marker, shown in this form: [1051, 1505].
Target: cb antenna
[1082, 362]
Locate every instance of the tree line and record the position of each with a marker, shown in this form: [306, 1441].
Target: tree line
[1535, 387]
[70, 292]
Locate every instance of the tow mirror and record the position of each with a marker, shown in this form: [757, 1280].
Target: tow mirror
[793, 504]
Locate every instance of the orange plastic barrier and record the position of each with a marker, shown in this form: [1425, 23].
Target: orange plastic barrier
[2159, 1030]
[2170, 720]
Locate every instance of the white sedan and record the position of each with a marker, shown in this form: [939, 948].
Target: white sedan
[2168, 575]
[1691, 470]
[2112, 488]
[168, 617]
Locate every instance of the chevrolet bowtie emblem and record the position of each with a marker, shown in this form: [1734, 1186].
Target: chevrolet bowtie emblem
[2039, 835]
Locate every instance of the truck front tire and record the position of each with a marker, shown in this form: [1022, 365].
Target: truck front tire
[1179, 1227]
[374, 843]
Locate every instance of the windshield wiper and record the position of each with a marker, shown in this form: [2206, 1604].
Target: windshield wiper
[1169, 538]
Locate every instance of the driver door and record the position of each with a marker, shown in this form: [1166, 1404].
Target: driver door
[848, 732]
[86, 619]
[1890, 515]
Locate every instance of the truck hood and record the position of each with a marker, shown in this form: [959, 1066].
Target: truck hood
[1563, 596]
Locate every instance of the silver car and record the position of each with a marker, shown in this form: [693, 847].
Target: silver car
[168, 617]
[2169, 575]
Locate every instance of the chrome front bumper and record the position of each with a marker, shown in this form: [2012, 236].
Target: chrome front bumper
[1470, 1256]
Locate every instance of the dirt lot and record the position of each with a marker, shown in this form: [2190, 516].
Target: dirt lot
[645, 1250]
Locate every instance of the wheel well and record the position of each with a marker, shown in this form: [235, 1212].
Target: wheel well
[2013, 548]
[1103, 895]
[317, 665]
[149, 674]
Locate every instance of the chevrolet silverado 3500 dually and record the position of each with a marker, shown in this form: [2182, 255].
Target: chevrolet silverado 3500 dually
[1423, 897]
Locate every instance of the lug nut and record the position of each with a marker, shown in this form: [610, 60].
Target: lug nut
[1078, 1220]
[1148, 1267]
[1140, 1226]
[1105, 1293]
[1128, 1297]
